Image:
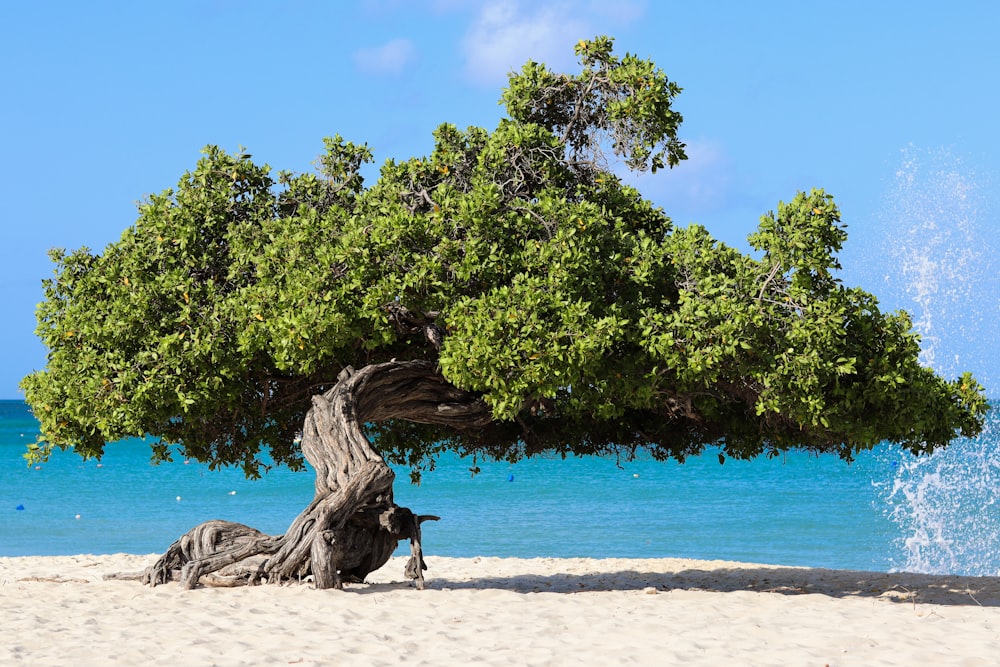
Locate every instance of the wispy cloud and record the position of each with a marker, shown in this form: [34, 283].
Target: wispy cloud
[389, 58]
[506, 33]
[704, 183]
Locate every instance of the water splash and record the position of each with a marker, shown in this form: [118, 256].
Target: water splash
[945, 507]
[942, 270]
[939, 263]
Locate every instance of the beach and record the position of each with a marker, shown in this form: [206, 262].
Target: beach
[502, 611]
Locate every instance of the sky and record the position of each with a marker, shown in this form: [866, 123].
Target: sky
[890, 106]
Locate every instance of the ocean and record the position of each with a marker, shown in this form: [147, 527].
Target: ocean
[885, 511]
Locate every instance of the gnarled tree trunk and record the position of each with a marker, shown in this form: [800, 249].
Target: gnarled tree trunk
[352, 526]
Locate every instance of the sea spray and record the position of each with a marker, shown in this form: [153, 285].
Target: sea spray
[941, 268]
[937, 261]
[945, 506]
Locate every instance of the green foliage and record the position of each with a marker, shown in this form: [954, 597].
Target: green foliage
[571, 305]
[625, 101]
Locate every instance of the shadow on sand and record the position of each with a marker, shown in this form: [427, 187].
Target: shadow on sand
[892, 587]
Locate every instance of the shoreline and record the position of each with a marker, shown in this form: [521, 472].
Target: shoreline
[546, 611]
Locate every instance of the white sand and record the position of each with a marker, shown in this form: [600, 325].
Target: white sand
[502, 611]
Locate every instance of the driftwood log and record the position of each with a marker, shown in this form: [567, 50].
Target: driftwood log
[352, 526]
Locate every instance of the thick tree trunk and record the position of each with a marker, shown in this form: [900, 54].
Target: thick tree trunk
[352, 526]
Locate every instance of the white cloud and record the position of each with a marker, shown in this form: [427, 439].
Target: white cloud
[506, 33]
[704, 183]
[390, 58]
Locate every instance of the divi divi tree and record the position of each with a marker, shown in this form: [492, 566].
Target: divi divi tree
[505, 296]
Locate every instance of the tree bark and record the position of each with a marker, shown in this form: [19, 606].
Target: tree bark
[352, 526]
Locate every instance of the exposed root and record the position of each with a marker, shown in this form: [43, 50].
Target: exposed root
[352, 526]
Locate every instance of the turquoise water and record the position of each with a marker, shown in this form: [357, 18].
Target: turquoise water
[795, 510]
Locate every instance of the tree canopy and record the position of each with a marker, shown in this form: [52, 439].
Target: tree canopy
[518, 266]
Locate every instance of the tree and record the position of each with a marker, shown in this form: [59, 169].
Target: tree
[505, 296]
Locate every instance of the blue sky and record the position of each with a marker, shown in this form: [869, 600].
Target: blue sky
[890, 106]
